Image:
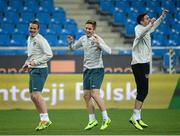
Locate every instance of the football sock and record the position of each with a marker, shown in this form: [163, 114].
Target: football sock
[44, 117]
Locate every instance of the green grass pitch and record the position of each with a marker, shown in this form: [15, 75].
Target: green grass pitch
[72, 122]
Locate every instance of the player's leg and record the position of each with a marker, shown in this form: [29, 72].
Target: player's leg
[96, 81]
[88, 100]
[145, 87]
[37, 80]
[91, 110]
[140, 75]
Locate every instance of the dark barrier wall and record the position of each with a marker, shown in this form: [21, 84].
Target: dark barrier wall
[67, 64]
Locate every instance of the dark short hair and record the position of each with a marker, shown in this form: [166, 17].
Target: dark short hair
[34, 22]
[140, 17]
[92, 22]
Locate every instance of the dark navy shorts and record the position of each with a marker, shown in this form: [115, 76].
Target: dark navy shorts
[92, 78]
[37, 79]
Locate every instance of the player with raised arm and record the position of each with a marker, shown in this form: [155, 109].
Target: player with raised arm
[141, 59]
[93, 74]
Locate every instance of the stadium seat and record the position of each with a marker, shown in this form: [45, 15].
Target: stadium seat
[63, 37]
[43, 17]
[26, 16]
[18, 40]
[7, 28]
[71, 26]
[121, 5]
[52, 39]
[80, 33]
[119, 17]
[58, 16]
[3, 5]
[5, 40]
[46, 5]
[15, 5]
[138, 5]
[21, 28]
[32, 4]
[106, 6]
[11, 17]
[54, 28]
[43, 29]
[129, 28]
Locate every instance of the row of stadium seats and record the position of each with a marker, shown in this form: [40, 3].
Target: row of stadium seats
[53, 28]
[57, 15]
[54, 39]
[32, 5]
[124, 13]
[53, 22]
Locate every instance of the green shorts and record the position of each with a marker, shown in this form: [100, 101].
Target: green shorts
[92, 78]
[37, 79]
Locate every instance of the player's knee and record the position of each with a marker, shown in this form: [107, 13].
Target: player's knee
[141, 96]
[34, 96]
[86, 96]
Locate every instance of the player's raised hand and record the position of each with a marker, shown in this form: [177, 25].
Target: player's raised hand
[70, 39]
[164, 12]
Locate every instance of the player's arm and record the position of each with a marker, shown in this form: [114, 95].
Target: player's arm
[142, 31]
[72, 46]
[159, 20]
[102, 45]
[24, 68]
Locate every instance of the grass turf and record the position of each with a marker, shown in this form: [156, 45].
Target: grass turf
[72, 122]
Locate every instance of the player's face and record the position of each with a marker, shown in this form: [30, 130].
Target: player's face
[33, 29]
[89, 30]
[146, 20]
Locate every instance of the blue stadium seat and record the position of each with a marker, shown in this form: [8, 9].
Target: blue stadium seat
[21, 28]
[43, 29]
[121, 5]
[43, 17]
[7, 28]
[52, 39]
[167, 4]
[119, 17]
[54, 28]
[160, 40]
[138, 5]
[62, 43]
[47, 4]
[15, 5]
[11, 17]
[71, 26]
[106, 6]
[176, 39]
[18, 40]
[63, 36]
[32, 4]
[5, 40]
[26, 16]
[80, 33]
[58, 16]
[152, 4]
[3, 5]
[129, 28]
